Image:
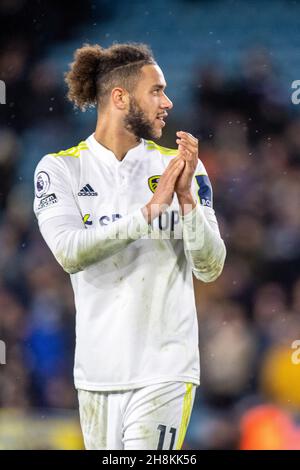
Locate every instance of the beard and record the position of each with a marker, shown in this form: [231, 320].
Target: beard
[137, 122]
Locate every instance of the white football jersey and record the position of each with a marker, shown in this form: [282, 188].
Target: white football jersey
[136, 321]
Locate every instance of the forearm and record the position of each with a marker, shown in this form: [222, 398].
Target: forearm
[186, 202]
[203, 244]
[75, 247]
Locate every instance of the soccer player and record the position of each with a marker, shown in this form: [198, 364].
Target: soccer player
[130, 221]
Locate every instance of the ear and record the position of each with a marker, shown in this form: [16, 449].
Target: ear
[120, 98]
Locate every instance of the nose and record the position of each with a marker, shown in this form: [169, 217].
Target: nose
[167, 103]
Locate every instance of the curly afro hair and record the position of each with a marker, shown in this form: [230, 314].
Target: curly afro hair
[96, 71]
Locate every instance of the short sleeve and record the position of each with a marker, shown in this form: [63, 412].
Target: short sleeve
[53, 190]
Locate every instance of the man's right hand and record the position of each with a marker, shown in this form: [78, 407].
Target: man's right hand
[164, 192]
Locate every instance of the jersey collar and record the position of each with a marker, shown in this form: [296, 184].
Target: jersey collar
[108, 156]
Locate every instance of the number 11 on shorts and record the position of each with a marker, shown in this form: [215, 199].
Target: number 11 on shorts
[162, 436]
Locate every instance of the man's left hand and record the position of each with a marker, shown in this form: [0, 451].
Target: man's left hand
[188, 150]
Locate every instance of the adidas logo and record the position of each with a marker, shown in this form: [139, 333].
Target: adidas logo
[87, 190]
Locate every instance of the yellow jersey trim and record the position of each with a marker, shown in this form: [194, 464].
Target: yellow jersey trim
[164, 150]
[73, 151]
[186, 413]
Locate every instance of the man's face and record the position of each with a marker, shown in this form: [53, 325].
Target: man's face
[148, 105]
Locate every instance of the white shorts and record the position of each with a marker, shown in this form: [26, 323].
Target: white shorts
[150, 418]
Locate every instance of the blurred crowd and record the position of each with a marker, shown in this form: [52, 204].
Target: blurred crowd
[248, 319]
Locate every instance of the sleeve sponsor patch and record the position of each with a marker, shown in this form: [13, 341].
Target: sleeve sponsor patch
[42, 184]
[47, 201]
[205, 193]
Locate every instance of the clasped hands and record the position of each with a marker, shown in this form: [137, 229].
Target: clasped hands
[177, 178]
